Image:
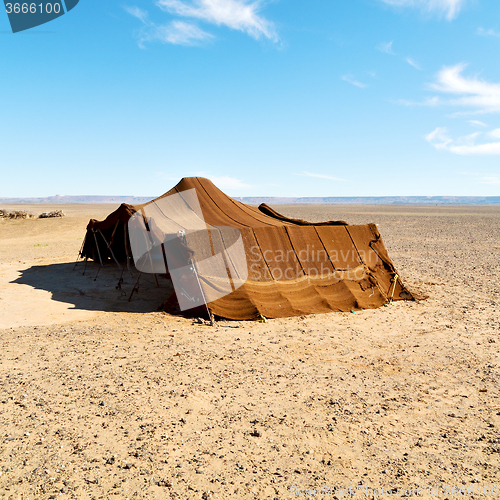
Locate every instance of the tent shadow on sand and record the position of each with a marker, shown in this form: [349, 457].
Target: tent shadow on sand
[83, 293]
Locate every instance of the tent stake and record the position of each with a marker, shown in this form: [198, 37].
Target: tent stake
[136, 287]
[395, 279]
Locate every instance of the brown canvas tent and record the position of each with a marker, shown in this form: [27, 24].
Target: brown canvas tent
[294, 267]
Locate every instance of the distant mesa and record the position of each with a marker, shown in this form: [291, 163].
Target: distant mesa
[131, 200]
[343, 200]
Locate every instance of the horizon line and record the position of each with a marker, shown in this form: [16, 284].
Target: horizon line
[318, 200]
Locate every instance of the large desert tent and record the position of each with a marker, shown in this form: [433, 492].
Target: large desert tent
[247, 261]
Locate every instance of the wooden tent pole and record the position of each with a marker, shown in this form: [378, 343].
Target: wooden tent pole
[80, 252]
[97, 246]
[110, 249]
[195, 272]
[125, 235]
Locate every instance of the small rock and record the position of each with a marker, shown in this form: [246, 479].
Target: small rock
[164, 482]
[54, 213]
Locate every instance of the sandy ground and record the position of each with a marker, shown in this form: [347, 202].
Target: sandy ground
[104, 398]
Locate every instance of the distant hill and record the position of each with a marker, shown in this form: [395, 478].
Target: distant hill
[382, 200]
[131, 200]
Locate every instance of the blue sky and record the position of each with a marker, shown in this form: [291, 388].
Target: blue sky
[266, 98]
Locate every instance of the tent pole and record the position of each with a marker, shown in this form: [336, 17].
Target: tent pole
[195, 272]
[125, 234]
[97, 246]
[80, 252]
[113, 233]
[148, 228]
[97, 274]
[109, 248]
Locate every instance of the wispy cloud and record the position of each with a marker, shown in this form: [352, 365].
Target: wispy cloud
[483, 177]
[448, 8]
[411, 62]
[386, 47]
[242, 15]
[175, 32]
[466, 145]
[471, 92]
[227, 182]
[491, 179]
[137, 12]
[477, 123]
[319, 176]
[491, 33]
[430, 101]
[350, 79]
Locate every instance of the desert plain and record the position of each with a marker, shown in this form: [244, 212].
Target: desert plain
[102, 398]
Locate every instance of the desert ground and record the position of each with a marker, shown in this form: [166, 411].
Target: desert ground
[101, 398]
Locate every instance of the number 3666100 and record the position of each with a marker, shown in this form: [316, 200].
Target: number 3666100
[32, 8]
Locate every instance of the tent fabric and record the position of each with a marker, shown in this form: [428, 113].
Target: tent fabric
[295, 267]
[266, 209]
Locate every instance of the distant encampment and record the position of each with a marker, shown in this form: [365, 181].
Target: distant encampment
[341, 200]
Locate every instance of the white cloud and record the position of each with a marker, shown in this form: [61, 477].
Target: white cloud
[176, 32]
[430, 101]
[450, 8]
[411, 62]
[320, 176]
[226, 182]
[490, 33]
[137, 12]
[350, 79]
[477, 123]
[386, 47]
[471, 92]
[491, 179]
[466, 145]
[242, 15]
